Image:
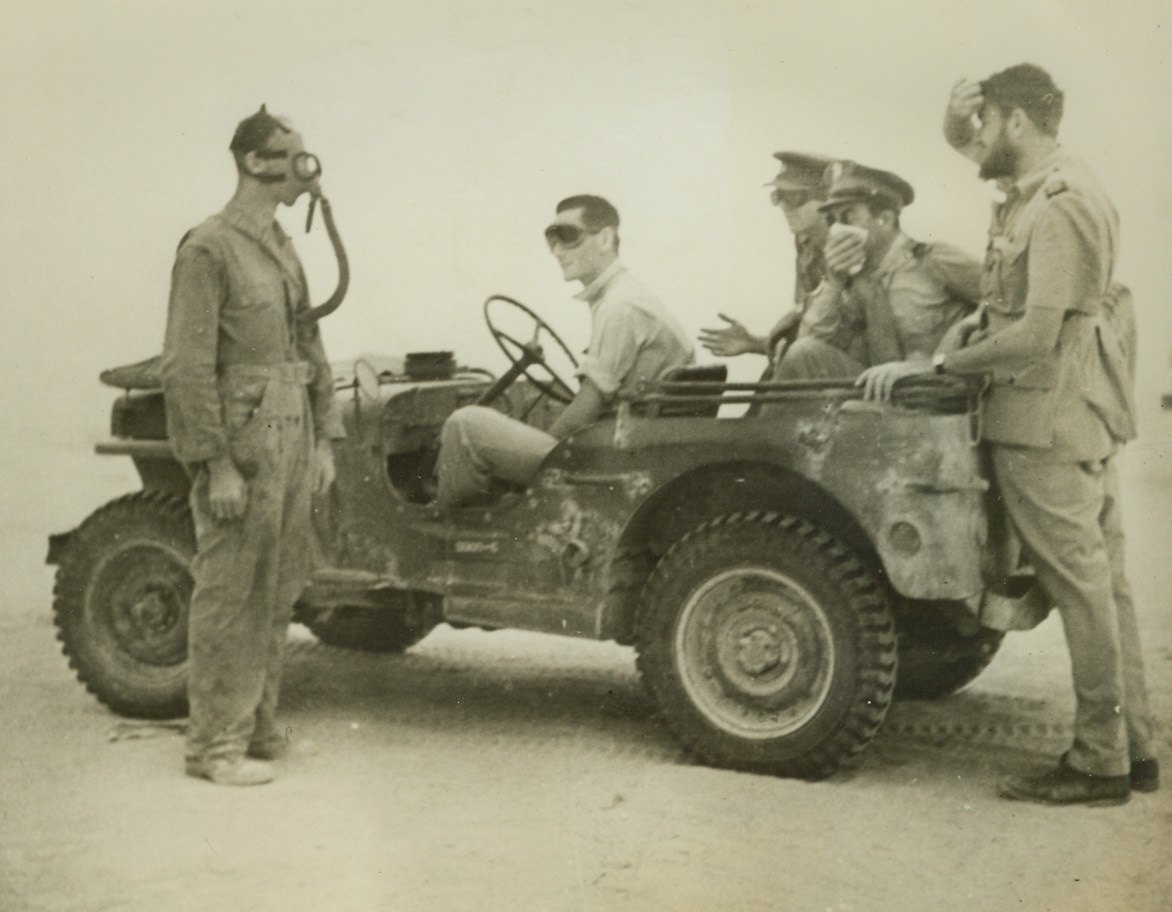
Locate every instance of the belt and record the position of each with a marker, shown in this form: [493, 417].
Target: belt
[290, 371]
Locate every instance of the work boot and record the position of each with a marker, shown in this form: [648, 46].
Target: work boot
[230, 770]
[1066, 785]
[1145, 774]
[273, 747]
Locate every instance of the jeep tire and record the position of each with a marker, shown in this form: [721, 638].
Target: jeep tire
[767, 646]
[121, 602]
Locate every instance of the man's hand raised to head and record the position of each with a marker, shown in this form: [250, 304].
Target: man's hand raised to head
[964, 103]
[966, 99]
[846, 254]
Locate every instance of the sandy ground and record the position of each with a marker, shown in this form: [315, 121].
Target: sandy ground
[511, 771]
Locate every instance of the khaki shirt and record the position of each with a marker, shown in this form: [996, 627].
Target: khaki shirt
[236, 289]
[903, 307]
[1052, 244]
[809, 271]
[633, 337]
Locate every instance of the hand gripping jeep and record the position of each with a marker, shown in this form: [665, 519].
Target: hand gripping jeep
[781, 572]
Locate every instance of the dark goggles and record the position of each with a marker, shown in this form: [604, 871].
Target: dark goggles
[569, 236]
[791, 199]
[305, 165]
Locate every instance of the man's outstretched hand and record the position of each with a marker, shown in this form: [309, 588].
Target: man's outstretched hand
[733, 339]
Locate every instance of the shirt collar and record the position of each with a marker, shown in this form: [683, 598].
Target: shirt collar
[592, 292]
[243, 220]
[1028, 184]
[899, 251]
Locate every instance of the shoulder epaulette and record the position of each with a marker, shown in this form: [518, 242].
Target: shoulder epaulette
[1055, 185]
[920, 249]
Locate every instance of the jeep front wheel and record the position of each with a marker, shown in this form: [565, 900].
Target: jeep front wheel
[767, 646]
[121, 602]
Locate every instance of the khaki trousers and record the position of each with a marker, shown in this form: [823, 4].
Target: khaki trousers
[809, 358]
[1069, 520]
[248, 573]
[479, 444]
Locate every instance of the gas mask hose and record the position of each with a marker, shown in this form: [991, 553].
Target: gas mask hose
[334, 301]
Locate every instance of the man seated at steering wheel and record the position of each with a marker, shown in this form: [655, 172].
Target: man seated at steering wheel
[633, 338]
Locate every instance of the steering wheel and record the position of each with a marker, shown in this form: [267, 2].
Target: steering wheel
[528, 356]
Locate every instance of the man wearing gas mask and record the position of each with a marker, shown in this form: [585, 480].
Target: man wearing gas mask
[251, 413]
[886, 297]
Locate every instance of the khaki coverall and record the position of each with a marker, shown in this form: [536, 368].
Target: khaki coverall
[1052, 244]
[241, 379]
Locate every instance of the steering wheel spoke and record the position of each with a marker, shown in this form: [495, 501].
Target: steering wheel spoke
[531, 356]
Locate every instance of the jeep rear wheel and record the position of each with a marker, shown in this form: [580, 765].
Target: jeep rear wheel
[121, 603]
[767, 646]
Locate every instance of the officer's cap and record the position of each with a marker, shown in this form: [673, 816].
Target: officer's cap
[800, 171]
[854, 183]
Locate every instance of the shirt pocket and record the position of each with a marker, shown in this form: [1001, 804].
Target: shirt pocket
[258, 288]
[1007, 269]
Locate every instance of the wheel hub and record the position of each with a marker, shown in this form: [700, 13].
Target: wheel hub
[153, 613]
[138, 600]
[755, 650]
[760, 651]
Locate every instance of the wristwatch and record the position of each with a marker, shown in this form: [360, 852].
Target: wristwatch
[938, 364]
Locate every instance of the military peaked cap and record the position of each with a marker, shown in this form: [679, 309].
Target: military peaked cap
[800, 171]
[851, 182]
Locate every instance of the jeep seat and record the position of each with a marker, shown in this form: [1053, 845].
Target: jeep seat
[689, 408]
[143, 375]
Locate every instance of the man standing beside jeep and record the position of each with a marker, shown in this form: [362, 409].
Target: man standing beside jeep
[1047, 284]
[250, 411]
[633, 338]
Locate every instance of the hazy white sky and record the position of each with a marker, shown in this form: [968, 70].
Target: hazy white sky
[449, 128]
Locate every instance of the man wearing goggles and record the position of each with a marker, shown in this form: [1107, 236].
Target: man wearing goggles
[633, 338]
[251, 413]
[798, 190]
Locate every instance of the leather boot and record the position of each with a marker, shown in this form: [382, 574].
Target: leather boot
[1066, 785]
[230, 770]
[274, 747]
[1145, 774]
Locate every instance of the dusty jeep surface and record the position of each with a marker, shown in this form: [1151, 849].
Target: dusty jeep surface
[781, 573]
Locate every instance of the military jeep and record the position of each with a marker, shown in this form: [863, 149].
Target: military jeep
[784, 557]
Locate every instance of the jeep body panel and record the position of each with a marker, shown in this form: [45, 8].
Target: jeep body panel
[568, 555]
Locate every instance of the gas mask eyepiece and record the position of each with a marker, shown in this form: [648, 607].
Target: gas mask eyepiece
[306, 166]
